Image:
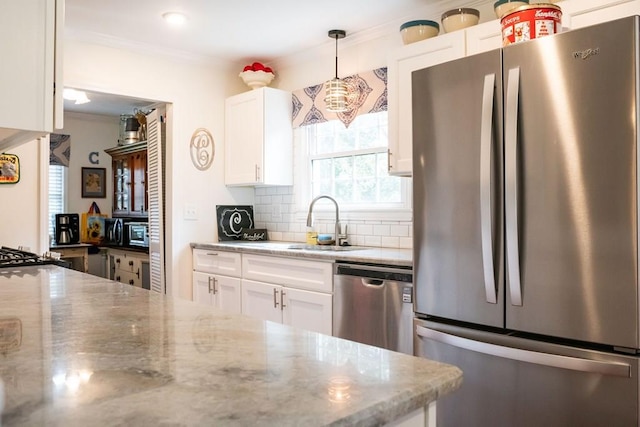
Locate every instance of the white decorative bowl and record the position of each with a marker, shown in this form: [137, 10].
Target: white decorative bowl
[503, 6]
[256, 79]
[457, 19]
[414, 31]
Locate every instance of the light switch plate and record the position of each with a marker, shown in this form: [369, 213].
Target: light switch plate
[190, 212]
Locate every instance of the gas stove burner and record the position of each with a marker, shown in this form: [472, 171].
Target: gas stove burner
[10, 257]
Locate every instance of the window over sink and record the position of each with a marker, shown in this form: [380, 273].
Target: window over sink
[350, 164]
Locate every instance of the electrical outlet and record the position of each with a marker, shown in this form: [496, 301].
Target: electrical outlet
[190, 212]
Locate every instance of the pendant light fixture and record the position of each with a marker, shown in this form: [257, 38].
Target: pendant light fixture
[336, 90]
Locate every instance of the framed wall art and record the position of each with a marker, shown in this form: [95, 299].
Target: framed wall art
[93, 183]
[9, 168]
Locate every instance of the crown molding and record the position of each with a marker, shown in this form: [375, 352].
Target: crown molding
[143, 48]
[390, 29]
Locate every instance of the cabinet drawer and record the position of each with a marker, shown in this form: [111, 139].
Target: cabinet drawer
[128, 278]
[301, 274]
[126, 261]
[212, 261]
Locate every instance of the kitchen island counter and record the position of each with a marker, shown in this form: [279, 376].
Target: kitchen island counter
[77, 349]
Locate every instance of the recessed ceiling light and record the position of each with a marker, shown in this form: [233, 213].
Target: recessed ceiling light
[174, 18]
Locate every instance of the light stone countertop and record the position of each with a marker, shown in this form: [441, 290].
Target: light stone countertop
[79, 350]
[365, 254]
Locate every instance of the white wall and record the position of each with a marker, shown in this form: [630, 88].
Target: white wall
[196, 93]
[20, 224]
[89, 133]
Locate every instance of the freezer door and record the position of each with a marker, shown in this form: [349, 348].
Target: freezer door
[516, 382]
[457, 187]
[571, 184]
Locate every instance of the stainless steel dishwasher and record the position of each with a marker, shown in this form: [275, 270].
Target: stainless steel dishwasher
[373, 304]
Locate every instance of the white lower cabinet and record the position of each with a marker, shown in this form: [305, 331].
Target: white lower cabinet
[295, 307]
[295, 292]
[222, 292]
[216, 279]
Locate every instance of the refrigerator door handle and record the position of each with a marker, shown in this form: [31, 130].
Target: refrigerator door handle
[486, 127]
[616, 369]
[511, 185]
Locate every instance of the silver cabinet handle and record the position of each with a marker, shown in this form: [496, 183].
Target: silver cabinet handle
[616, 369]
[275, 298]
[511, 185]
[257, 173]
[215, 282]
[209, 283]
[212, 253]
[282, 305]
[486, 184]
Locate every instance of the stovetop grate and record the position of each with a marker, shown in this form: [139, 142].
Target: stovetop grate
[10, 257]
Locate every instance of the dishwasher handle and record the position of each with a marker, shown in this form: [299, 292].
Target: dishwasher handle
[372, 283]
[378, 272]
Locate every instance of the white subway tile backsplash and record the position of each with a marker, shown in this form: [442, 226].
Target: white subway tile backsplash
[399, 230]
[373, 241]
[389, 242]
[286, 227]
[406, 242]
[381, 230]
[366, 229]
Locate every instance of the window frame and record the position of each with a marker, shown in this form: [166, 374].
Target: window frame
[303, 190]
[63, 192]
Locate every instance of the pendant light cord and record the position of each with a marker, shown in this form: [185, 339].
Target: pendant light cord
[336, 56]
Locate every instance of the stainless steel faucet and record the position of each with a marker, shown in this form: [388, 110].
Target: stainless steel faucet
[337, 236]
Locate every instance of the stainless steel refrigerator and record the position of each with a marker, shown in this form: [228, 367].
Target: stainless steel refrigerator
[525, 181]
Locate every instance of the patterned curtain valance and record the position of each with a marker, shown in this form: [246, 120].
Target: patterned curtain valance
[369, 91]
[59, 149]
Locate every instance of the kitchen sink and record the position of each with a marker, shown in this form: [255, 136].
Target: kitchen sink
[324, 247]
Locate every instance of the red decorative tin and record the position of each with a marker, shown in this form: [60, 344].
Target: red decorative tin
[531, 22]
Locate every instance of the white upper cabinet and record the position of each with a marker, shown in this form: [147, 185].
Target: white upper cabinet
[259, 138]
[470, 41]
[401, 63]
[484, 37]
[582, 13]
[31, 53]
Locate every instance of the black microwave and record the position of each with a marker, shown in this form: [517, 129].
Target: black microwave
[136, 234]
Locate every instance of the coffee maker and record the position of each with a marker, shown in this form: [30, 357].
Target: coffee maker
[67, 229]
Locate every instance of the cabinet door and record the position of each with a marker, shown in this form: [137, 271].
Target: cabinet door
[582, 13]
[261, 300]
[259, 138]
[244, 125]
[307, 310]
[120, 166]
[401, 64]
[202, 288]
[484, 37]
[28, 74]
[128, 277]
[227, 294]
[138, 196]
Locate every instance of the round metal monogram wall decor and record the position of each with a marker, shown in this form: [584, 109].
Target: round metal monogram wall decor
[203, 149]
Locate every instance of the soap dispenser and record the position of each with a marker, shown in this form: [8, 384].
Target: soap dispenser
[312, 236]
